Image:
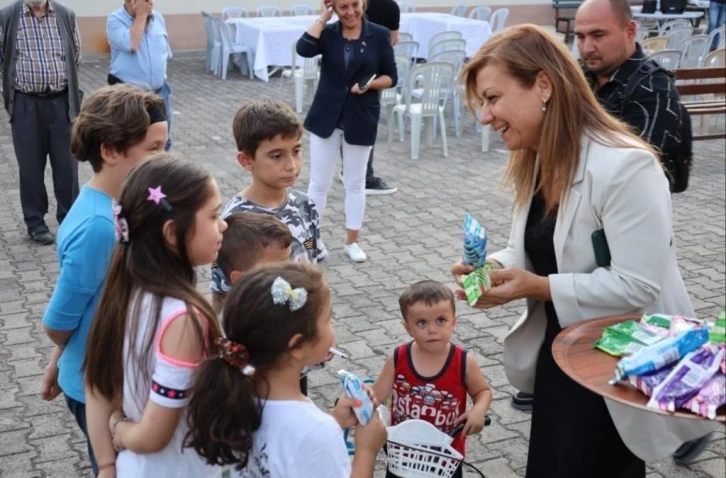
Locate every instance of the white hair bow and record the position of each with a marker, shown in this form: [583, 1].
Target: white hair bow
[283, 293]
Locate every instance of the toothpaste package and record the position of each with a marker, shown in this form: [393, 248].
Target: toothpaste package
[717, 335]
[686, 379]
[475, 243]
[618, 345]
[711, 396]
[475, 253]
[353, 388]
[654, 357]
[659, 320]
[647, 383]
[632, 329]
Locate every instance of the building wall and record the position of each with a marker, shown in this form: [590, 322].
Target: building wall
[186, 28]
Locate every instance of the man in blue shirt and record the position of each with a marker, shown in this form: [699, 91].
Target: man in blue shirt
[140, 49]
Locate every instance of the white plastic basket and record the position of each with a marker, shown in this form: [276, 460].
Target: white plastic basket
[416, 449]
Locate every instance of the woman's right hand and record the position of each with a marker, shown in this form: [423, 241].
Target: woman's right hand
[371, 437]
[326, 10]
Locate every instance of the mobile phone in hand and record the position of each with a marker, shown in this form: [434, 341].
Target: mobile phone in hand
[363, 85]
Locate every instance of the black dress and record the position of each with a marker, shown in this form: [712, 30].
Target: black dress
[572, 434]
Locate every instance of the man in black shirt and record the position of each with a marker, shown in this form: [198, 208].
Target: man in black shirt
[385, 13]
[642, 95]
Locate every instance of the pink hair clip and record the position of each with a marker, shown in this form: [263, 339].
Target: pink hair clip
[157, 196]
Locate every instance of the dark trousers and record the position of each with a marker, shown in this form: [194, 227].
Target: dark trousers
[78, 410]
[40, 129]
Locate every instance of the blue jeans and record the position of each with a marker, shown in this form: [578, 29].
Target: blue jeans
[165, 93]
[716, 18]
[78, 410]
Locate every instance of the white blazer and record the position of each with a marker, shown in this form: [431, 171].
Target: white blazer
[624, 191]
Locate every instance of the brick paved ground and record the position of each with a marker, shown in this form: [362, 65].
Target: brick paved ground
[408, 236]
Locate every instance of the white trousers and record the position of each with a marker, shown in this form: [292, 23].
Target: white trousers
[323, 160]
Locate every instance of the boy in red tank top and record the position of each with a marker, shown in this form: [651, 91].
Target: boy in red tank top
[429, 378]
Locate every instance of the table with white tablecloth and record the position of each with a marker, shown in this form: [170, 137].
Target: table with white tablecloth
[272, 38]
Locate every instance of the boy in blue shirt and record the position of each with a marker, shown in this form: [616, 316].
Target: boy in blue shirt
[108, 135]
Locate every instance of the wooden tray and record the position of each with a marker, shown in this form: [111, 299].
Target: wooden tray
[574, 352]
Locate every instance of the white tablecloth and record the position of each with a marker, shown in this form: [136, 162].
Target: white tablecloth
[272, 38]
[423, 26]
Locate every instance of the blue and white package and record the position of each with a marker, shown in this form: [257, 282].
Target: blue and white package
[353, 388]
[475, 243]
[654, 357]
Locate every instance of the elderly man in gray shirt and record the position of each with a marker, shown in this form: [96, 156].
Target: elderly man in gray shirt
[40, 50]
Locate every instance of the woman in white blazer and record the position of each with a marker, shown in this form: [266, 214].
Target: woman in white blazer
[575, 170]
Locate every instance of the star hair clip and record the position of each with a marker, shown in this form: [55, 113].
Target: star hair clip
[283, 293]
[120, 224]
[157, 196]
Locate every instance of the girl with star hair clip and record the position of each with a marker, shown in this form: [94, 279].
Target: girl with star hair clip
[247, 410]
[152, 326]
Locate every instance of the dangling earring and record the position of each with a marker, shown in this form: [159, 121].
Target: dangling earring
[544, 103]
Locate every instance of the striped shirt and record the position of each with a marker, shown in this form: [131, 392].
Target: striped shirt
[41, 62]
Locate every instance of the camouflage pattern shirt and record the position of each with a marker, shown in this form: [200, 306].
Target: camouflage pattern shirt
[299, 214]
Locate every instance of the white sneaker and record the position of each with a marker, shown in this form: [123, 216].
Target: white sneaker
[355, 253]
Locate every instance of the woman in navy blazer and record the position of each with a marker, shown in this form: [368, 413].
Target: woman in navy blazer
[347, 106]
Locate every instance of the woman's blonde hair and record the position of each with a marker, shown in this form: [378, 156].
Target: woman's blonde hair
[524, 51]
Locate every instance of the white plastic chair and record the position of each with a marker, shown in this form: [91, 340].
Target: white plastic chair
[391, 97]
[447, 45]
[269, 11]
[406, 7]
[304, 77]
[235, 12]
[641, 35]
[229, 47]
[214, 45]
[694, 51]
[654, 44]
[408, 48]
[402, 36]
[450, 35]
[498, 19]
[480, 13]
[459, 10]
[668, 59]
[678, 35]
[670, 25]
[300, 10]
[719, 32]
[715, 59]
[434, 76]
[450, 92]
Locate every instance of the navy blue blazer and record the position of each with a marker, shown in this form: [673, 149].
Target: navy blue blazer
[374, 55]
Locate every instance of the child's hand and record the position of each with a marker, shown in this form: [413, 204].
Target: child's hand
[371, 437]
[474, 421]
[343, 410]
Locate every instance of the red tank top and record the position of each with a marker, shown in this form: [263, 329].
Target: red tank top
[438, 400]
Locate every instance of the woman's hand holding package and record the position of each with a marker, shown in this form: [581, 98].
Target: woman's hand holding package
[508, 285]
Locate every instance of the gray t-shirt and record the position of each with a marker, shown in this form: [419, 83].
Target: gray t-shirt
[299, 214]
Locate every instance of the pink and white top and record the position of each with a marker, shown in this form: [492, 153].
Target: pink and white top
[168, 386]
